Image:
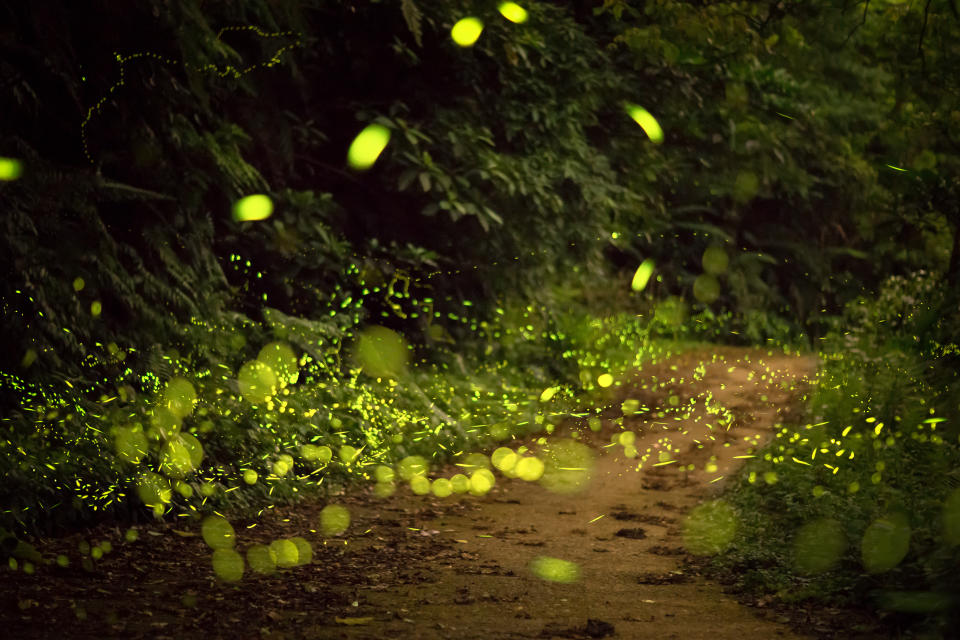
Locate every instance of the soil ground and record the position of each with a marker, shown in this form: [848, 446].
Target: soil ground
[460, 567]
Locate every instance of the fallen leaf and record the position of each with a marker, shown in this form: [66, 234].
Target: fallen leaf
[352, 621]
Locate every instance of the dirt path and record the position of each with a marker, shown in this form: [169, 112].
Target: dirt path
[415, 567]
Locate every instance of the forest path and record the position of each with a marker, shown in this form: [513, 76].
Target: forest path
[421, 567]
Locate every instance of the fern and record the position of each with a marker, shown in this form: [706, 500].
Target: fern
[413, 17]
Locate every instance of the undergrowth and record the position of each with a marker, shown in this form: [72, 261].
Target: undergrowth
[877, 461]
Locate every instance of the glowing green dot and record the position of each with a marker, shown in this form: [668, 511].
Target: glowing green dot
[605, 380]
[367, 146]
[131, 535]
[642, 275]
[96, 308]
[10, 169]
[646, 121]
[250, 476]
[466, 31]
[63, 561]
[513, 12]
[253, 207]
[79, 284]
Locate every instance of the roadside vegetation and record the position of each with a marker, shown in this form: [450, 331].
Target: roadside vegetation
[262, 251]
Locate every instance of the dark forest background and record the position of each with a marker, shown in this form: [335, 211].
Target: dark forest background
[816, 142]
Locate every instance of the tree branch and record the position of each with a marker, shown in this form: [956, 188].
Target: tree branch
[863, 20]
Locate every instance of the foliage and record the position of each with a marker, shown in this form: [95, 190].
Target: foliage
[881, 440]
[812, 146]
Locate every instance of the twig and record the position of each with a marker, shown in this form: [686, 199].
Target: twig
[863, 20]
[923, 33]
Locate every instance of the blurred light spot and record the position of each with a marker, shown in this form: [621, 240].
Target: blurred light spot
[646, 121]
[885, 543]
[715, 260]
[334, 520]
[706, 288]
[367, 146]
[529, 469]
[568, 466]
[253, 207]
[261, 559]
[286, 553]
[304, 550]
[179, 397]
[10, 169]
[642, 275]
[818, 546]
[466, 31]
[710, 527]
[513, 12]
[381, 352]
[217, 532]
[555, 569]
[228, 565]
[441, 487]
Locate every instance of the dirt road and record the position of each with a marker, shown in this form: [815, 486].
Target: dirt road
[461, 567]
